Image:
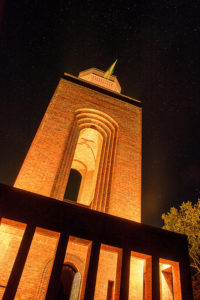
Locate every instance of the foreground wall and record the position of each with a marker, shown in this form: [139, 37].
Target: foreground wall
[119, 259]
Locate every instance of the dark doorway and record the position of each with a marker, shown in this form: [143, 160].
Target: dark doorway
[66, 280]
[110, 290]
[73, 185]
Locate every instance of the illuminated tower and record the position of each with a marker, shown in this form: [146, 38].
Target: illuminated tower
[87, 150]
[90, 136]
[89, 141]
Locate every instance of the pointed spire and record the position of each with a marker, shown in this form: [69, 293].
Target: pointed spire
[110, 71]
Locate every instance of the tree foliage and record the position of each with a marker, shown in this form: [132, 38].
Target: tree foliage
[186, 220]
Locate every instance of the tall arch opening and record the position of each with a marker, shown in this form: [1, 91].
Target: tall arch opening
[70, 282]
[91, 151]
[73, 185]
[86, 163]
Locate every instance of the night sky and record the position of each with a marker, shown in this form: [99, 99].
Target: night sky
[157, 44]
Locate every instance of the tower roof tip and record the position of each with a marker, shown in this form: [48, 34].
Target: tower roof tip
[110, 70]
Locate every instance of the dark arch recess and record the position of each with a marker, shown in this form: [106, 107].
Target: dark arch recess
[73, 185]
[66, 279]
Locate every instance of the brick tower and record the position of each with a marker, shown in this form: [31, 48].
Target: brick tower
[91, 129]
[87, 153]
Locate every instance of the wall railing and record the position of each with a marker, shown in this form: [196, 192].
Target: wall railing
[71, 219]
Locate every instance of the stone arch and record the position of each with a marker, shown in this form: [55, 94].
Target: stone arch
[79, 264]
[108, 129]
[44, 280]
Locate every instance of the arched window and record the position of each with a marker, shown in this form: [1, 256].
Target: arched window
[86, 162]
[90, 150]
[73, 185]
[70, 282]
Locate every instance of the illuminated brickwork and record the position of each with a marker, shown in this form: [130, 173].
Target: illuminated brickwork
[75, 107]
[140, 277]
[170, 288]
[96, 76]
[117, 187]
[78, 254]
[109, 269]
[100, 264]
[97, 132]
[10, 238]
[35, 276]
[37, 270]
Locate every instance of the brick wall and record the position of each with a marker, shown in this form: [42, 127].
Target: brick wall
[49, 159]
[41, 166]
